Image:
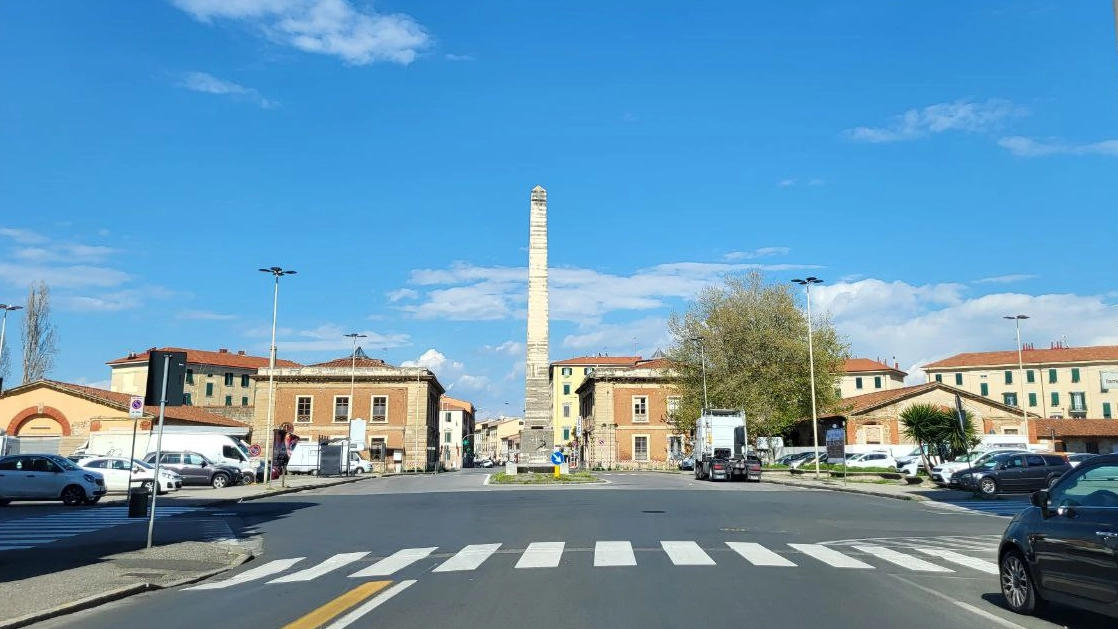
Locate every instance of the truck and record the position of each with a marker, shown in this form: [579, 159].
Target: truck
[220, 448]
[721, 449]
[306, 458]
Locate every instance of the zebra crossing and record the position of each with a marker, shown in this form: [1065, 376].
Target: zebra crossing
[36, 531]
[995, 508]
[927, 556]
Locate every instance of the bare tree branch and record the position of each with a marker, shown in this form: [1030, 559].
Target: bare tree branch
[39, 336]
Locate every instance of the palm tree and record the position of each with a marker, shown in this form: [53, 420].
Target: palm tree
[923, 423]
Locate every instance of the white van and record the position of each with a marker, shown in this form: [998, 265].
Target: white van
[305, 460]
[219, 448]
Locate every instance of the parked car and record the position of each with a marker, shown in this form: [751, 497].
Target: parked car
[48, 477]
[1064, 548]
[117, 472]
[872, 459]
[687, 463]
[1075, 458]
[942, 473]
[260, 472]
[1022, 471]
[808, 461]
[788, 459]
[196, 469]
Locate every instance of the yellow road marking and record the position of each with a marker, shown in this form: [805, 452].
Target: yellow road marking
[330, 610]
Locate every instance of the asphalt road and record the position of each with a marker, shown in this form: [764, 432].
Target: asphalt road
[647, 550]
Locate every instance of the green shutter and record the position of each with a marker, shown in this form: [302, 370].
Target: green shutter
[1009, 377]
[1075, 374]
[1030, 376]
[958, 379]
[1051, 376]
[209, 389]
[1055, 399]
[1106, 410]
[1032, 399]
[985, 388]
[877, 382]
[939, 377]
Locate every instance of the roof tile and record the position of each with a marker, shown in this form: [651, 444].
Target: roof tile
[1098, 353]
[206, 357]
[191, 414]
[593, 361]
[856, 365]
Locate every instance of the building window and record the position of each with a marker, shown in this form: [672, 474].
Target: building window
[586, 370]
[984, 389]
[566, 371]
[228, 379]
[209, 389]
[186, 399]
[674, 402]
[958, 379]
[1075, 374]
[1030, 377]
[858, 382]
[1009, 431]
[939, 377]
[447, 417]
[1051, 376]
[566, 434]
[1055, 399]
[377, 448]
[566, 389]
[1106, 410]
[303, 408]
[229, 400]
[447, 438]
[1032, 399]
[380, 409]
[567, 409]
[1078, 402]
[877, 382]
[1009, 399]
[640, 448]
[244, 381]
[640, 408]
[190, 376]
[341, 408]
[244, 400]
[1009, 377]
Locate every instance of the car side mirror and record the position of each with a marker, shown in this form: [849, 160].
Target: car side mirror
[204, 464]
[1039, 499]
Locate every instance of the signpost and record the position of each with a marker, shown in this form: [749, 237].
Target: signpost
[836, 447]
[254, 450]
[136, 407]
[557, 461]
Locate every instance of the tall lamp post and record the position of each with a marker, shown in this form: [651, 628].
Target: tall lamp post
[276, 272]
[1021, 369]
[3, 328]
[352, 380]
[806, 283]
[703, 358]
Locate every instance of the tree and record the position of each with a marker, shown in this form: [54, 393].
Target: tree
[39, 336]
[937, 432]
[754, 338]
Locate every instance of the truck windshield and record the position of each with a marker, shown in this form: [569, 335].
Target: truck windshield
[242, 446]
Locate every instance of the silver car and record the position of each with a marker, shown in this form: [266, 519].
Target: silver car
[48, 477]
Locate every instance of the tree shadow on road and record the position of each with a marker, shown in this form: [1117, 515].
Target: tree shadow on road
[1060, 615]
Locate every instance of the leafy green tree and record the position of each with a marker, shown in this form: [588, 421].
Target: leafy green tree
[753, 336]
[937, 432]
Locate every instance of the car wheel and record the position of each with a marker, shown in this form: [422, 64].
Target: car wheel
[1052, 481]
[219, 481]
[248, 478]
[92, 501]
[988, 486]
[1017, 584]
[73, 495]
[358, 471]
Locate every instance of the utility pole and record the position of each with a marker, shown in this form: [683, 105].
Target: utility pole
[352, 400]
[806, 283]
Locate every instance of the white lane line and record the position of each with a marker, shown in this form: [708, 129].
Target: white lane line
[758, 555]
[997, 620]
[614, 554]
[372, 604]
[396, 561]
[331, 564]
[905, 561]
[469, 558]
[541, 555]
[975, 563]
[268, 569]
[830, 556]
[686, 554]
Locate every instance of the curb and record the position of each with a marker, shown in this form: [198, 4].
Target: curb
[849, 490]
[292, 490]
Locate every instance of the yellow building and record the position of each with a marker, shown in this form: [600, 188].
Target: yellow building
[862, 375]
[566, 377]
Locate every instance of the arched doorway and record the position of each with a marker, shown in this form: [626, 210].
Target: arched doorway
[40, 430]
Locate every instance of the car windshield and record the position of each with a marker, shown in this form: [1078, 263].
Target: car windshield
[64, 463]
[993, 461]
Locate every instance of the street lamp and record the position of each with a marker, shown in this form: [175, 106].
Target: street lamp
[1020, 366]
[703, 358]
[276, 272]
[3, 328]
[352, 399]
[806, 283]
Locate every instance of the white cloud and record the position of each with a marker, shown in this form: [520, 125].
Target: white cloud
[64, 252]
[75, 276]
[23, 236]
[648, 335]
[203, 315]
[763, 252]
[1005, 279]
[403, 293]
[210, 84]
[628, 117]
[961, 115]
[793, 181]
[434, 360]
[471, 383]
[355, 34]
[107, 302]
[1027, 147]
[331, 337]
[453, 57]
[510, 348]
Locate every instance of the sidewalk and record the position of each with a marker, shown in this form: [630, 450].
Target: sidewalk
[79, 573]
[899, 490]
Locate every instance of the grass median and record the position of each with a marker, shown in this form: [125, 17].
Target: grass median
[536, 478]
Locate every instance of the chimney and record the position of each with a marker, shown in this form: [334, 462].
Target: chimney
[896, 365]
[223, 351]
[240, 352]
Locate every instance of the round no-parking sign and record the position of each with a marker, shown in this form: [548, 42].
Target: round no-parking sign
[254, 450]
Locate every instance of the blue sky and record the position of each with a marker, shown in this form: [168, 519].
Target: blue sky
[940, 165]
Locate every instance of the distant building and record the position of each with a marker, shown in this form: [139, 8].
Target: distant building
[566, 377]
[456, 424]
[214, 379]
[862, 375]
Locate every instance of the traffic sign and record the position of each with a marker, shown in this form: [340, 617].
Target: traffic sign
[136, 407]
[557, 458]
[254, 450]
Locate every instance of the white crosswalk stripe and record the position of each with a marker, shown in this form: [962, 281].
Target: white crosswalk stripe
[614, 554]
[468, 558]
[397, 561]
[541, 555]
[758, 555]
[905, 561]
[686, 554]
[974, 563]
[331, 564]
[37, 531]
[831, 557]
[267, 570]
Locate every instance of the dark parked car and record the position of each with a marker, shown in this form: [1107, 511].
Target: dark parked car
[1020, 471]
[687, 464]
[196, 469]
[1064, 548]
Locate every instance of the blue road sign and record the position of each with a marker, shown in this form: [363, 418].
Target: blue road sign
[556, 458]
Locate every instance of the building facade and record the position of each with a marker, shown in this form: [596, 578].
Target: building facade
[400, 406]
[625, 414]
[214, 379]
[1058, 383]
[456, 425]
[862, 375]
[566, 376]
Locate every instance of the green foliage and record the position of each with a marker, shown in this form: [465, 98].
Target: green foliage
[754, 337]
[937, 431]
[535, 478]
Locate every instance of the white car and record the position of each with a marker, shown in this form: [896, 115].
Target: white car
[48, 477]
[872, 459]
[116, 471]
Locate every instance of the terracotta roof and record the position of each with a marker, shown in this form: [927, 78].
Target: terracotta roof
[655, 363]
[120, 401]
[1029, 357]
[349, 361]
[1076, 428]
[592, 361]
[220, 358]
[458, 404]
[857, 365]
[869, 401]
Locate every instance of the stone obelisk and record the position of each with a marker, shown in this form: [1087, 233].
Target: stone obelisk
[537, 437]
